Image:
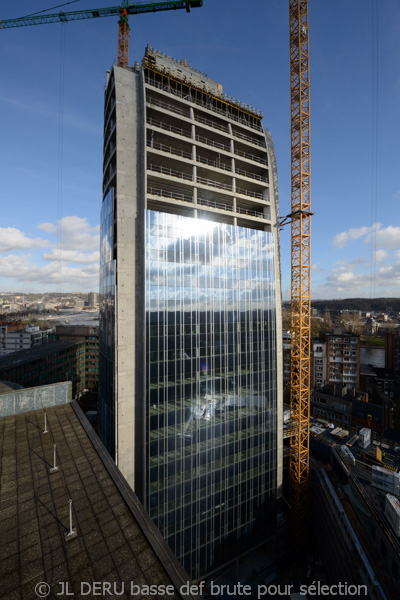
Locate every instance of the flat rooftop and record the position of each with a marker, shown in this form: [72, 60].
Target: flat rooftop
[116, 540]
[35, 353]
[365, 459]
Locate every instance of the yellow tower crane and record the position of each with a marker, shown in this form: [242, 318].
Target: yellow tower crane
[127, 8]
[300, 258]
[123, 35]
[299, 217]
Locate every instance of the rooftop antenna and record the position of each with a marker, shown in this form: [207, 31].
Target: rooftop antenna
[45, 424]
[54, 468]
[71, 534]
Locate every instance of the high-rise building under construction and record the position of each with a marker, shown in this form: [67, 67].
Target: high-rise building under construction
[190, 308]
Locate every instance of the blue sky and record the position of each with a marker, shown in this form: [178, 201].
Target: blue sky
[51, 150]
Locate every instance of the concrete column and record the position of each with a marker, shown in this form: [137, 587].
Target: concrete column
[233, 176]
[279, 364]
[129, 240]
[195, 200]
[231, 147]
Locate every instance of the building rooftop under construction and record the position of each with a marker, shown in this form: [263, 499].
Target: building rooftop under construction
[190, 237]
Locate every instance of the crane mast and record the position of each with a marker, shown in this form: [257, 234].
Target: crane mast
[123, 36]
[300, 267]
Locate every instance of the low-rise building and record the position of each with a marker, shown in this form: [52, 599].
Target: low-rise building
[375, 380]
[335, 403]
[48, 363]
[89, 334]
[14, 338]
[350, 408]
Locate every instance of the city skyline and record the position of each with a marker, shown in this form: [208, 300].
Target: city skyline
[52, 160]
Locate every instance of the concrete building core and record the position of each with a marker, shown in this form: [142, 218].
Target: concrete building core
[190, 308]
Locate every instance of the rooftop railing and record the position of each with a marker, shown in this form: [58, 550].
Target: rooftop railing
[167, 127]
[169, 172]
[169, 150]
[213, 163]
[170, 193]
[217, 163]
[203, 180]
[213, 143]
[248, 138]
[167, 106]
[195, 100]
[227, 206]
[215, 184]
[251, 175]
[248, 156]
[212, 124]
[250, 193]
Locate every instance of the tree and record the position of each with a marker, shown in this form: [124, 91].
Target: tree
[327, 322]
[286, 319]
[315, 327]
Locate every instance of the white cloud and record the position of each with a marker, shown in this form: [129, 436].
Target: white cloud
[341, 239]
[388, 237]
[383, 237]
[380, 255]
[342, 281]
[72, 259]
[73, 256]
[345, 277]
[354, 261]
[347, 280]
[48, 227]
[316, 268]
[75, 233]
[22, 269]
[13, 239]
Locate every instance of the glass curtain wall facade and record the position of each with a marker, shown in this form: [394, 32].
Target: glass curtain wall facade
[107, 398]
[211, 397]
[190, 402]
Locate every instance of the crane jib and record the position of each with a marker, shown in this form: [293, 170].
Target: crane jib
[132, 9]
